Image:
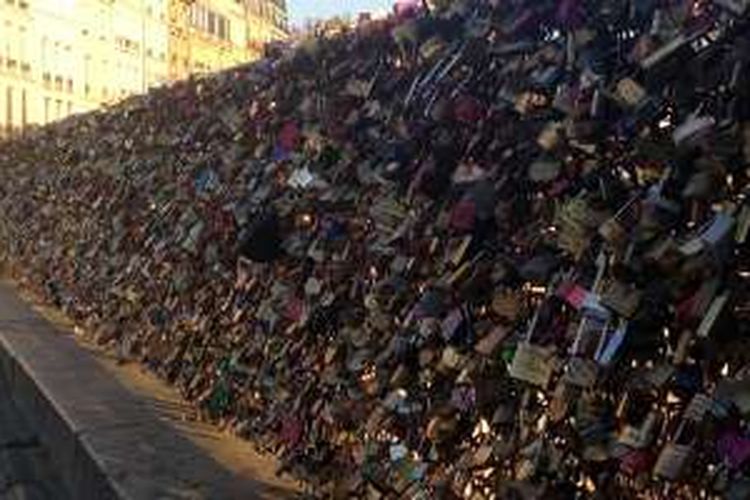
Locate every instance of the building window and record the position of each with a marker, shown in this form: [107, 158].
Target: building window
[211, 28]
[87, 74]
[209, 21]
[58, 108]
[126, 44]
[23, 110]
[44, 53]
[9, 109]
[223, 28]
[70, 108]
[46, 109]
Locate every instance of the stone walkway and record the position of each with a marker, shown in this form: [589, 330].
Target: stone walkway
[113, 431]
[25, 469]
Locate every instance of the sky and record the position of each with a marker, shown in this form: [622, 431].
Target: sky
[299, 10]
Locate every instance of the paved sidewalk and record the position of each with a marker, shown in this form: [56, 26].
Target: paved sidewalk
[26, 471]
[114, 432]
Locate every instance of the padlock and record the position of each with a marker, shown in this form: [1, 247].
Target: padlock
[533, 364]
[624, 300]
[673, 460]
[580, 372]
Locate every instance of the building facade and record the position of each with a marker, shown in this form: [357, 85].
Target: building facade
[59, 57]
[208, 35]
[266, 21]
